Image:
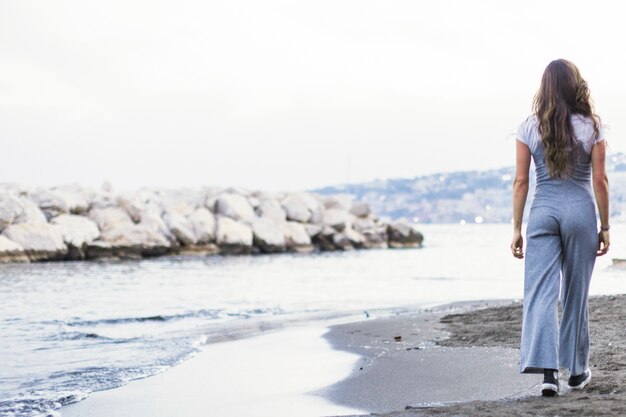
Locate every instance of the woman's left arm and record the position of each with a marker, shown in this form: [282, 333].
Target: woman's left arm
[520, 193]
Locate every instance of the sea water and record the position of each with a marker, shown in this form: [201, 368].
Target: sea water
[71, 328]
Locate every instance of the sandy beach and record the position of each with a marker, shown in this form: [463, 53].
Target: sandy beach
[499, 328]
[460, 359]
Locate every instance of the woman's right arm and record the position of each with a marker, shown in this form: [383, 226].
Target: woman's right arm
[601, 191]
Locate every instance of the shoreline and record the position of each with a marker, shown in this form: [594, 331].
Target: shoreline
[412, 362]
[231, 378]
[405, 362]
[248, 338]
[499, 327]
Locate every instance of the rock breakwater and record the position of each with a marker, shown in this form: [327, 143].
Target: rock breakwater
[72, 222]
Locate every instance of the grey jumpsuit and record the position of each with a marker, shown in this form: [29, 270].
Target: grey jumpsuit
[561, 244]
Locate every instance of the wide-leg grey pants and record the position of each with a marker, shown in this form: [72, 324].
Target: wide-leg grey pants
[561, 244]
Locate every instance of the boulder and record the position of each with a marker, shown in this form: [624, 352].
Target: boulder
[325, 239]
[303, 207]
[360, 209]
[151, 217]
[183, 206]
[296, 237]
[376, 237]
[11, 251]
[10, 209]
[75, 197]
[30, 213]
[272, 210]
[336, 218]
[181, 227]
[110, 218]
[132, 204]
[362, 224]
[103, 200]
[50, 203]
[78, 232]
[356, 238]
[341, 241]
[40, 241]
[203, 225]
[402, 234]
[296, 209]
[267, 236]
[254, 202]
[375, 233]
[337, 201]
[313, 229]
[128, 241]
[234, 206]
[233, 237]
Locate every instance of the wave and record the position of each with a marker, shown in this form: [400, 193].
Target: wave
[203, 313]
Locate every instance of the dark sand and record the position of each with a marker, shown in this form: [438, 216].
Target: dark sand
[401, 373]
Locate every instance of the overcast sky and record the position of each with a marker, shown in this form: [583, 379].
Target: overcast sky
[285, 95]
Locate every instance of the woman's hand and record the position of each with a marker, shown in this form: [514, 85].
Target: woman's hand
[604, 241]
[517, 244]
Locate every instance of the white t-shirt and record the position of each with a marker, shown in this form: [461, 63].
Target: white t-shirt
[528, 133]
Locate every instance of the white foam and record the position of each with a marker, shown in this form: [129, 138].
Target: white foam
[271, 374]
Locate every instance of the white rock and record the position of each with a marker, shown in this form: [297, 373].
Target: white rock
[182, 201]
[267, 235]
[254, 202]
[39, 240]
[133, 205]
[131, 240]
[336, 218]
[11, 251]
[234, 206]
[295, 235]
[10, 209]
[360, 209]
[271, 210]
[233, 236]
[313, 229]
[151, 217]
[356, 239]
[363, 223]
[110, 218]
[203, 224]
[50, 203]
[76, 230]
[402, 233]
[313, 204]
[76, 198]
[296, 208]
[338, 201]
[181, 227]
[30, 213]
[341, 241]
[103, 200]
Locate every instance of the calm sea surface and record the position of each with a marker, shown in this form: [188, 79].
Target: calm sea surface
[68, 329]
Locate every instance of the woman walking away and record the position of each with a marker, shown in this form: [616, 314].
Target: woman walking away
[566, 141]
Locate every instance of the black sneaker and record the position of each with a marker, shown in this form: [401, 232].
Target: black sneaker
[550, 386]
[579, 381]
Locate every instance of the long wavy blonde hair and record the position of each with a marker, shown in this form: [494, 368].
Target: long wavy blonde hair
[563, 92]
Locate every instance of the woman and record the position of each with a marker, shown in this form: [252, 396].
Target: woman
[566, 141]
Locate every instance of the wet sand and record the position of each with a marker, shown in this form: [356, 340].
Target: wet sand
[481, 384]
[459, 359]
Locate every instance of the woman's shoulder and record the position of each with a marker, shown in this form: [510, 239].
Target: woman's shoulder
[530, 121]
[527, 131]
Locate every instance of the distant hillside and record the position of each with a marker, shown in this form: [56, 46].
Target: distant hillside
[468, 196]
